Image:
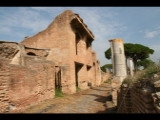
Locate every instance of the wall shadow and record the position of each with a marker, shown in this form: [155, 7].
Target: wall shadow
[101, 98]
[112, 110]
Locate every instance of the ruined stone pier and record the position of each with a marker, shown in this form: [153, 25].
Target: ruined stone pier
[119, 66]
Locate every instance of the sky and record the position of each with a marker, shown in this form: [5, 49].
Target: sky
[137, 25]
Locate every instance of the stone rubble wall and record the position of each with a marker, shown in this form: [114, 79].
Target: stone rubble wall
[8, 49]
[105, 76]
[138, 99]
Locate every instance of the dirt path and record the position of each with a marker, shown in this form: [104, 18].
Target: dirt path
[88, 101]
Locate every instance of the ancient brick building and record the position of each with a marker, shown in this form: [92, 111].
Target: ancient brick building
[70, 44]
[60, 56]
[24, 79]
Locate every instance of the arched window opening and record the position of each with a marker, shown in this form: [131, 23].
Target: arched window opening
[31, 53]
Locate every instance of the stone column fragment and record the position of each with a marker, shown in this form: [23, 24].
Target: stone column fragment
[118, 58]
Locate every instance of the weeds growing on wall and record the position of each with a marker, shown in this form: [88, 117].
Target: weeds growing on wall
[148, 73]
[152, 70]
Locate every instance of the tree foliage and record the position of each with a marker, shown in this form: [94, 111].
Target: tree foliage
[145, 63]
[108, 53]
[103, 68]
[134, 51]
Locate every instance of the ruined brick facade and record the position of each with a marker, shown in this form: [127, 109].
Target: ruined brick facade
[24, 79]
[70, 44]
[59, 56]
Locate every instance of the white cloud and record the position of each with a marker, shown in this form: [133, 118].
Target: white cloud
[156, 55]
[152, 34]
[5, 29]
[25, 18]
[26, 21]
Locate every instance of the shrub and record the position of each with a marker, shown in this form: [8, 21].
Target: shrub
[145, 74]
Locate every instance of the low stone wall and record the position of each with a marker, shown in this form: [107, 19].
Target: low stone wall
[124, 104]
[23, 86]
[141, 97]
[105, 76]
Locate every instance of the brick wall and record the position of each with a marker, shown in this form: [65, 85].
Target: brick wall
[105, 76]
[4, 89]
[23, 86]
[37, 52]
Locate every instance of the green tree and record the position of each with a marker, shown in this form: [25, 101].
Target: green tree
[145, 63]
[108, 53]
[134, 51]
[103, 68]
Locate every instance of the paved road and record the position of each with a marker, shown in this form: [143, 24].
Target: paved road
[88, 101]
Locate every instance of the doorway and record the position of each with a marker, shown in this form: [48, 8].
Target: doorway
[58, 77]
[78, 67]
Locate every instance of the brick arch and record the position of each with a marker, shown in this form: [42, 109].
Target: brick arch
[31, 53]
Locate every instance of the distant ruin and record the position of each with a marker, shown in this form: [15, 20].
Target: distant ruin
[60, 56]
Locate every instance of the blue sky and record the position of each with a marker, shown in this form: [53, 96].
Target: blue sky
[139, 25]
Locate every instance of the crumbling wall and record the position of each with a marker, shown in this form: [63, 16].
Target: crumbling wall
[141, 97]
[22, 86]
[124, 104]
[105, 76]
[4, 89]
[31, 84]
[68, 86]
[96, 71]
[12, 51]
[69, 41]
[83, 78]
[37, 52]
[8, 49]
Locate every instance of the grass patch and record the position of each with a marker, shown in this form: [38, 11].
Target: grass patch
[151, 70]
[58, 93]
[146, 74]
[77, 88]
[128, 80]
[108, 81]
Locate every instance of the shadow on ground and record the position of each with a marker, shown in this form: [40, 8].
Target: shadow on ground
[108, 110]
[100, 89]
[100, 98]
[103, 99]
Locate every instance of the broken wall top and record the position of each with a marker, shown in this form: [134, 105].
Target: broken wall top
[10, 49]
[72, 18]
[63, 20]
[116, 40]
